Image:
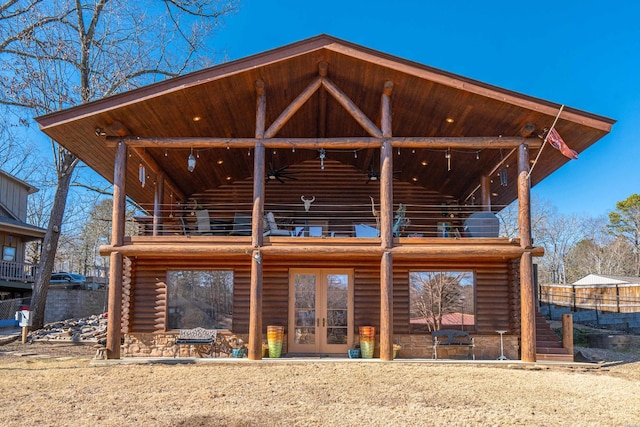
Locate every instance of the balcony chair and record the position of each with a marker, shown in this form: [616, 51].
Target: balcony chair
[203, 222]
[241, 225]
[271, 227]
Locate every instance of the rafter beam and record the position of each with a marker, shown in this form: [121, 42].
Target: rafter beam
[459, 143]
[351, 108]
[292, 108]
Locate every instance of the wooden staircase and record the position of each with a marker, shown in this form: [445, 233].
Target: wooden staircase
[548, 346]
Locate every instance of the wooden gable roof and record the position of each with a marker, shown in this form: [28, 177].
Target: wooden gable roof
[221, 102]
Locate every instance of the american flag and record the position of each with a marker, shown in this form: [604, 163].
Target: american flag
[558, 143]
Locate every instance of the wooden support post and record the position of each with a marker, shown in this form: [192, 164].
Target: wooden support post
[257, 226]
[323, 69]
[386, 228]
[567, 332]
[119, 195]
[527, 298]
[386, 307]
[485, 193]
[114, 310]
[114, 332]
[255, 307]
[386, 196]
[158, 201]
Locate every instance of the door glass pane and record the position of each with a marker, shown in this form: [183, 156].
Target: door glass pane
[337, 308]
[305, 308]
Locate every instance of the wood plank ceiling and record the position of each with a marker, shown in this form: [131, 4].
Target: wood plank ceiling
[221, 102]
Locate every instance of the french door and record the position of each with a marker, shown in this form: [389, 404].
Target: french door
[320, 311]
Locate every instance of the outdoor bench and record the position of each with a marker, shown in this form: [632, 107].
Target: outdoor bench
[449, 338]
[205, 341]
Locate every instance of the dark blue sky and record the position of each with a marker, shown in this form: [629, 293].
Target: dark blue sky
[584, 54]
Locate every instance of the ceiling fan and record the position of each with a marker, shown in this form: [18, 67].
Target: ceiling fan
[374, 175]
[280, 174]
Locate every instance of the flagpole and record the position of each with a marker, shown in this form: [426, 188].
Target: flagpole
[544, 142]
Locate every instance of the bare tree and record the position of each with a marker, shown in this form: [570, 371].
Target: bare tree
[599, 252]
[61, 53]
[541, 209]
[558, 235]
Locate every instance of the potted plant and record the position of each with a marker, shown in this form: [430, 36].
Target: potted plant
[396, 349]
[354, 353]
[237, 346]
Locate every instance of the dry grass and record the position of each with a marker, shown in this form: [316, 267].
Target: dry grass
[64, 389]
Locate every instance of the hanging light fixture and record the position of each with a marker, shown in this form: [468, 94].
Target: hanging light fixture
[142, 175]
[447, 156]
[191, 162]
[503, 176]
[322, 156]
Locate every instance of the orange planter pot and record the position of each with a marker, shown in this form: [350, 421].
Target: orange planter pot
[275, 337]
[367, 341]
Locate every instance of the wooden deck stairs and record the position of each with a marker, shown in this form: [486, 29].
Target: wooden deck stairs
[548, 346]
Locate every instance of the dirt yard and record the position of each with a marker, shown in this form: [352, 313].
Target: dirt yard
[55, 385]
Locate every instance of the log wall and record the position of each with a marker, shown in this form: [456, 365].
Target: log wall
[497, 305]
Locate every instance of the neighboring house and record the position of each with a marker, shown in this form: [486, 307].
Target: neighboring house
[16, 275]
[321, 186]
[617, 294]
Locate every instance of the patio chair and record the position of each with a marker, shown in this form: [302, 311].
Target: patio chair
[271, 226]
[241, 225]
[203, 222]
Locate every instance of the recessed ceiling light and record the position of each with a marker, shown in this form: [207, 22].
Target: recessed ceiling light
[196, 118]
[494, 194]
[220, 161]
[414, 179]
[424, 163]
[449, 120]
[228, 178]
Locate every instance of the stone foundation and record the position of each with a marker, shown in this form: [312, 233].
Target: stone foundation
[163, 345]
[487, 348]
[412, 347]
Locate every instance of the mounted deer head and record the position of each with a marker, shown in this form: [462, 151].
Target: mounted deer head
[307, 202]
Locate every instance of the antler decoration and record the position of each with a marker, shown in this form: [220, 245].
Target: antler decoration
[307, 202]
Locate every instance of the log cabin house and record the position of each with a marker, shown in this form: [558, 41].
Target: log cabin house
[321, 186]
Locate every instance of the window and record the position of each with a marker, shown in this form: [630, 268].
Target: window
[8, 253]
[199, 299]
[441, 300]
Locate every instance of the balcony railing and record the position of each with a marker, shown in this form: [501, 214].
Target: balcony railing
[324, 220]
[18, 271]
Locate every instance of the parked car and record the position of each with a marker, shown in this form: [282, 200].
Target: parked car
[63, 278]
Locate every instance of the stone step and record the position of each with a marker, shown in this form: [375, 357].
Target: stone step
[551, 350]
[554, 357]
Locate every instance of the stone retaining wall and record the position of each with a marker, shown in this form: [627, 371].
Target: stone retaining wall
[487, 348]
[606, 320]
[63, 304]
